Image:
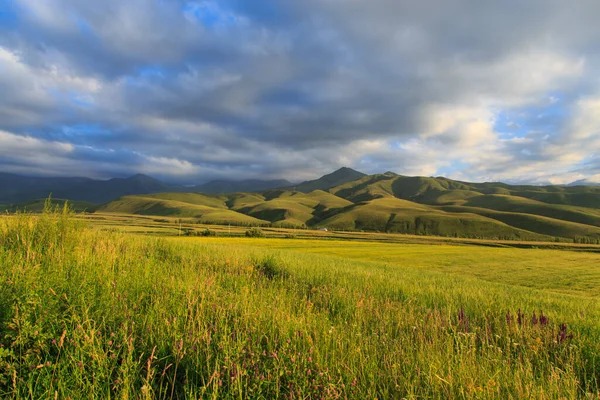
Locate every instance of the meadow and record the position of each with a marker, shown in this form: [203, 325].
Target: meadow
[91, 312]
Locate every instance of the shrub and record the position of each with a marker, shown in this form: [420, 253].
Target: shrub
[255, 232]
[208, 232]
[269, 267]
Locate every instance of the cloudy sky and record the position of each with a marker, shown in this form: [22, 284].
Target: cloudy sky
[189, 91]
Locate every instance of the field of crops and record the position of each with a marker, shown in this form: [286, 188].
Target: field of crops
[86, 312]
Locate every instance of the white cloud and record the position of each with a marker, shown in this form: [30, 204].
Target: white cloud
[414, 87]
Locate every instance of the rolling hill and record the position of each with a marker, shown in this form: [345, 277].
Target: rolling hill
[187, 206]
[350, 200]
[558, 211]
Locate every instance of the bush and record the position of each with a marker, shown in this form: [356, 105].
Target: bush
[269, 267]
[255, 232]
[208, 232]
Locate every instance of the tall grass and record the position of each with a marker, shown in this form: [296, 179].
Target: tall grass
[90, 314]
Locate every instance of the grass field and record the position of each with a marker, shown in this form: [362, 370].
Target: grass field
[91, 313]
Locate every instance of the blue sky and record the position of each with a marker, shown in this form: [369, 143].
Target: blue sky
[189, 91]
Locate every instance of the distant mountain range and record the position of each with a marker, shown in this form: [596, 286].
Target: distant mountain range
[345, 199]
[584, 182]
[18, 189]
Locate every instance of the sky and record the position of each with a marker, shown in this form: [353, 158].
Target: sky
[190, 91]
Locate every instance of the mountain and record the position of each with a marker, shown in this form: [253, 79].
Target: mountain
[250, 185]
[17, 188]
[103, 191]
[345, 199]
[584, 182]
[394, 203]
[326, 182]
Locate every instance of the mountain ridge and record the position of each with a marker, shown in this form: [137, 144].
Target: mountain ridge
[350, 200]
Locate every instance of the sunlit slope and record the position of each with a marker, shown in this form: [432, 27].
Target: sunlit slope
[440, 190]
[490, 200]
[396, 215]
[275, 206]
[518, 204]
[292, 208]
[164, 207]
[533, 223]
[367, 188]
[215, 201]
[393, 203]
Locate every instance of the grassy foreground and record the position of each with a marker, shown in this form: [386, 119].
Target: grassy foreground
[93, 314]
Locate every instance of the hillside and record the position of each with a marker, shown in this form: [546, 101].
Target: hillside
[294, 208]
[350, 200]
[559, 211]
[336, 178]
[401, 216]
[168, 206]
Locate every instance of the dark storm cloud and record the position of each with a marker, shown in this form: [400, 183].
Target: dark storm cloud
[200, 89]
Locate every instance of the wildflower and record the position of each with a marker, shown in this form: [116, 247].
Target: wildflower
[543, 319]
[520, 317]
[463, 319]
[534, 319]
[562, 334]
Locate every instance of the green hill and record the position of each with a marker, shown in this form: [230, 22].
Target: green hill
[401, 216]
[144, 205]
[394, 203]
[294, 208]
[534, 223]
[520, 207]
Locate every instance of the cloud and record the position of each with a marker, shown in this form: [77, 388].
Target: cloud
[194, 90]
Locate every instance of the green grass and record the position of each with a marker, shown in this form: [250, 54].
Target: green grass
[86, 313]
[559, 271]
